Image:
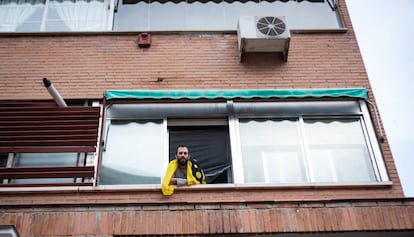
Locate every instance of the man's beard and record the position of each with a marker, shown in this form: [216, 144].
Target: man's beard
[182, 162]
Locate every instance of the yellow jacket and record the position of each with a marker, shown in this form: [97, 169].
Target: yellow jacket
[195, 175]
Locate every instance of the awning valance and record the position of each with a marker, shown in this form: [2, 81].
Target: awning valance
[232, 94]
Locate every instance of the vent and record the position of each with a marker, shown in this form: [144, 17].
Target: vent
[271, 26]
[263, 34]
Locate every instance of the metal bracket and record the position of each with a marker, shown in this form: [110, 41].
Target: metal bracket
[333, 4]
[116, 6]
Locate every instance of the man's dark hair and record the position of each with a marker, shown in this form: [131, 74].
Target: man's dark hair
[188, 149]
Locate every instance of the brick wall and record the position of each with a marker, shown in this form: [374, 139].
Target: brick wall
[85, 65]
[194, 194]
[198, 219]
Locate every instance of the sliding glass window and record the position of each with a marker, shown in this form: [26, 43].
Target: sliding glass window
[54, 15]
[162, 15]
[295, 142]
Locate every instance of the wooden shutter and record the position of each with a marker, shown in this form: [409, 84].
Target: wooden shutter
[86, 173]
[42, 126]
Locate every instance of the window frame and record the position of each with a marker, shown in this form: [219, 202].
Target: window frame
[370, 136]
[112, 8]
[192, 123]
[108, 5]
[224, 8]
[373, 146]
[106, 128]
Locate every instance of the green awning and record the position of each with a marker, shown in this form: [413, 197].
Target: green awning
[232, 94]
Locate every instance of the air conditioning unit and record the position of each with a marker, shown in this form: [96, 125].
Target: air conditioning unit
[263, 34]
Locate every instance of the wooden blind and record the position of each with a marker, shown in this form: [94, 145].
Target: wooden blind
[42, 126]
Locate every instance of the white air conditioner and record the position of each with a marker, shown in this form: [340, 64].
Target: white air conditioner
[263, 34]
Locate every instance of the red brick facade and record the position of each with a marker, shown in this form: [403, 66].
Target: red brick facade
[213, 219]
[83, 66]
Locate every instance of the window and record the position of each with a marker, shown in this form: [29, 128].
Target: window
[3, 162]
[137, 151]
[31, 160]
[260, 142]
[209, 145]
[54, 15]
[220, 15]
[338, 151]
[132, 153]
[158, 15]
[271, 151]
[305, 150]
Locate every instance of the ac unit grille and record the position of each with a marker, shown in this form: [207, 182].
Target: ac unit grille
[271, 26]
[263, 34]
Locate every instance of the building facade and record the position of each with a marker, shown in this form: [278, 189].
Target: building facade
[272, 98]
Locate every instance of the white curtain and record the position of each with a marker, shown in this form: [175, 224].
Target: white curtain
[15, 12]
[88, 15]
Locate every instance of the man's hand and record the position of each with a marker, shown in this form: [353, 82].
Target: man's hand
[178, 181]
[173, 181]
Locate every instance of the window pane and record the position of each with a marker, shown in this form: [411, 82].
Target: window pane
[338, 151]
[21, 15]
[209, 145]
[44, 160]
[303, 15]
[166, 16]
[76, 15]
[133, 16]
[271, 151]
[3, 159]
[205, 16]
[222, 15]
[133, 153]
[235, 9]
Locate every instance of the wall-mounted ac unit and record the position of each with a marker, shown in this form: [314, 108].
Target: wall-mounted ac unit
[263, 34]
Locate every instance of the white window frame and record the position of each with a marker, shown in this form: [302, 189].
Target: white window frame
[163, 163]
[225, 19]
[107, 24]
[370, 136]
[179, 115]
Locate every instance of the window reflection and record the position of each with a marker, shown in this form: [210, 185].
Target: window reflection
[338, 151]
[335, 151]
[83, 15]
[44, 160]
[60, 15]
[220, 15]
[133, 153]
[271, 151]
[21, 15]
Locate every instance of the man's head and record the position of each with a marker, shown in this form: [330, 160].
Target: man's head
[182, 155]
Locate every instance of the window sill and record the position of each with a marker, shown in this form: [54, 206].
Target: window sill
[207, 187]
[286, 186]
[318, 31]
[161, 32]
